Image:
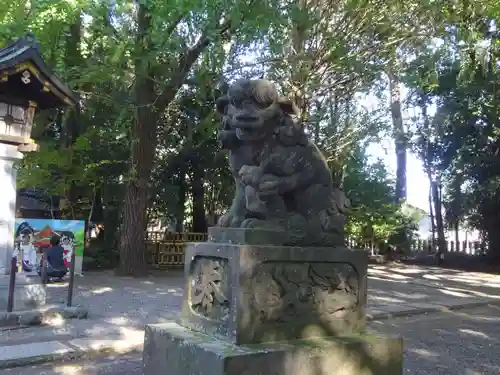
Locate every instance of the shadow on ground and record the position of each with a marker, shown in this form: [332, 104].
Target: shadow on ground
[436, 283]
[446, 343]
[130, 300]
[122, 306]
[456, 260]
[449, 343]
[119, 308]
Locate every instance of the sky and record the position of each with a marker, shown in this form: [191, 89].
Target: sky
[417, 182]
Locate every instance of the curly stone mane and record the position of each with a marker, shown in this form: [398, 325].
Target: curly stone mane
[291, 132]
[278, 172]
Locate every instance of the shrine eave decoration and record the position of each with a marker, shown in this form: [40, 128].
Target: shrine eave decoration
[26, 79]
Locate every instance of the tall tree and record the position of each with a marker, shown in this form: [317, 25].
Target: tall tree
[143, 145]
[400, 136]
[149, 106]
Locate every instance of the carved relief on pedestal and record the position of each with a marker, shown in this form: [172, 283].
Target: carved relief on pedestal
[210, 288]
[288, 292]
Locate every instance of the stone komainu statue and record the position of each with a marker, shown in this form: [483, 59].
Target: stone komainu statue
[282, 180]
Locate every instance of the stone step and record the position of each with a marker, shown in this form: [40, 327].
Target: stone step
[171, 349]
[37, 352]
[41, 315]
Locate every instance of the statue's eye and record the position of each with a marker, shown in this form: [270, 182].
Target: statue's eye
[234, 101]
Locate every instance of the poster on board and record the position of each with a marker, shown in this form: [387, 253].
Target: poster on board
[33, 235]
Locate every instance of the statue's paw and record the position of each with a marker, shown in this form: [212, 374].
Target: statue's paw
[225, 220]
[236, 221]
[253, 223]
[230, 221]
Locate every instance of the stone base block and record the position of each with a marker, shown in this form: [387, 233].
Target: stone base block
[29, 292]
[253, 294]
[170, 349]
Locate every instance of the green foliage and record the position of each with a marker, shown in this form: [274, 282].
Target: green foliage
[323, 54]
[460, 142]
[374, 217]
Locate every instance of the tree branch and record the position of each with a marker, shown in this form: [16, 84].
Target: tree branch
[186, 61]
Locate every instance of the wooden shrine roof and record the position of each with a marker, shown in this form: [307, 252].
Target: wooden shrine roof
[24, 77]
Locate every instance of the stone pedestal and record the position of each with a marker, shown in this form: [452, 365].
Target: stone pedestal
[171, 349]
[29, 292]
[8, 155]
[252, 308]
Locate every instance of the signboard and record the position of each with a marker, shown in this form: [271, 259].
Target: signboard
[33, 235]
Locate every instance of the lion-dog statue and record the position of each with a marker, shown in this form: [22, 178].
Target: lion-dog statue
[282, 180]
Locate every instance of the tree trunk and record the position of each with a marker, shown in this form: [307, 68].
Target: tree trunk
[144, 131]
[198, 194]
[439, 217]
[431, 209]
[400, 141]
[97, 209]
[456, 206]
[181, 199]
[299, 69]
[426, 158]
[493, 243]
[143, 142]
[111, 221]
[71, 125]
[210, 203]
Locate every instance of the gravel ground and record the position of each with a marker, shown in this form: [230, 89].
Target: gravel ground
[450, 343]
[463, 342]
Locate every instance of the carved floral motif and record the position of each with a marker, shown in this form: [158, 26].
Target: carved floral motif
[208, 296]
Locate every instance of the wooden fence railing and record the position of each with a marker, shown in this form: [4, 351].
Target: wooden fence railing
[464, 247]
[428, 246]
[167, 249]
